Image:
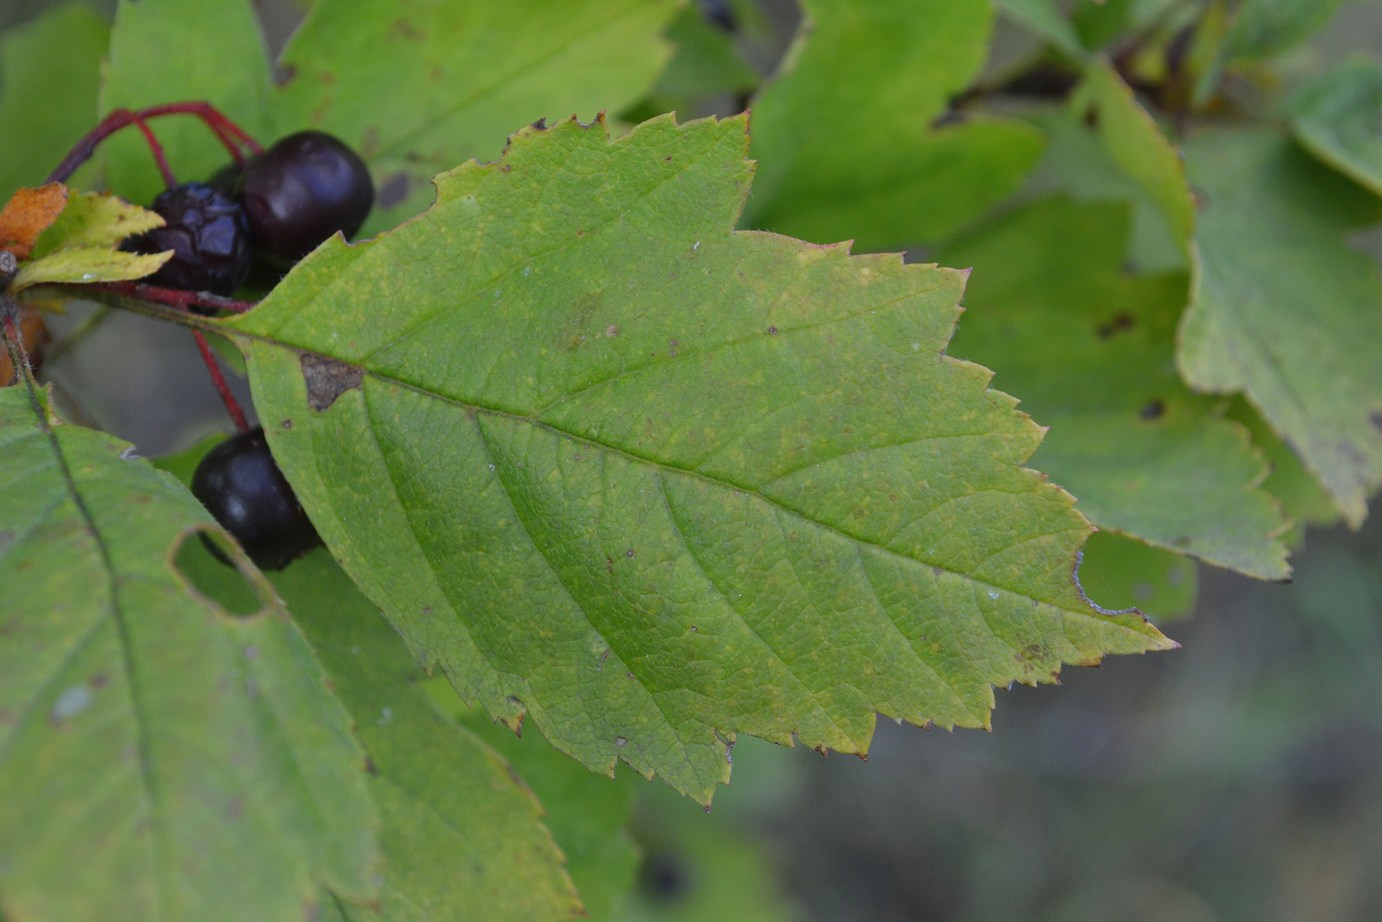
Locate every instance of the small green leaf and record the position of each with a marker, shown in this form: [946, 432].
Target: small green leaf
[844, 138]
[49, 68]
[1284, 310]
[1338, 118]
[634, 473]
[1091, 349]
[150, 741]
[93, 219]
[79, 246]
[88, 264]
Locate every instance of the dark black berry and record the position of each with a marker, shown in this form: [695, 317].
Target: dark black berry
[302, 190]
[206, 231]
[243, 489]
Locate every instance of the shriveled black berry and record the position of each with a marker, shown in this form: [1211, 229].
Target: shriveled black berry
[243, 489]
[302, 190]
[206, 231]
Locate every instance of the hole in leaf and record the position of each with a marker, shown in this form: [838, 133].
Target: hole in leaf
[205, 562]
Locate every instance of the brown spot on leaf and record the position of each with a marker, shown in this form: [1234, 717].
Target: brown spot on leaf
[1154, 409]
[327, 379]
[1120, 322]
[406, 30]
[370, 767]
[540, 125]
[1091, 117]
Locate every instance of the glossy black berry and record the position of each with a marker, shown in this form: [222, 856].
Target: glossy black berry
[243, 489]
[302, 190]
[205, 228]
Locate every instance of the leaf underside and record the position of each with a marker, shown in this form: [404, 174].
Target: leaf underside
[653, 482]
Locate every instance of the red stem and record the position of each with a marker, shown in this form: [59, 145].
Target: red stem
[237, 415]
[176, 297]
[234, 138]
[156, 149]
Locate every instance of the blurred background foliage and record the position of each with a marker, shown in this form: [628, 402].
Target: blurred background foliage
[1237, 778]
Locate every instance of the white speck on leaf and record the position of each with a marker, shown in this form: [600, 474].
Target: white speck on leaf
[993, 593]
[71, 702]
[385, 716]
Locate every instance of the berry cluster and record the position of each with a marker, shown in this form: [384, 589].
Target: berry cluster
[281, 205]
[274, 206]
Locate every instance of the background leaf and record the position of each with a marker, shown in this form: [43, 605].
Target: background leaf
[1284, 310]
[843, 134]
[474, 72]
[56, 57]
[1091, 348]
[460, 832]
[692, 502]
[179, 762]
[588, 814]
[1338, 117]
[174, 50]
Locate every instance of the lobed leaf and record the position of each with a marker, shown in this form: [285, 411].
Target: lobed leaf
[633, 474]
[159, 757]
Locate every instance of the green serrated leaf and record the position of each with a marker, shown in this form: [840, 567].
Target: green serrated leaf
[474, 71]
[159, 758]
[1283, 309]
[1091, 349]
[49, 69]
[843, 134]
[636, 476]
[1338, 118]
[177, 50]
